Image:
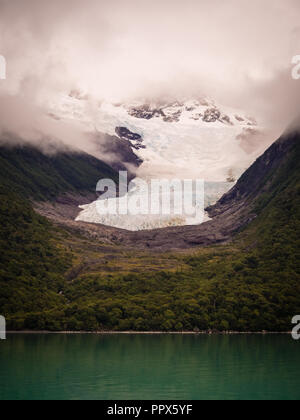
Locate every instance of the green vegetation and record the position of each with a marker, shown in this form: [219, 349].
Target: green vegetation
[31, 266]
[252, 284]
[28, 172]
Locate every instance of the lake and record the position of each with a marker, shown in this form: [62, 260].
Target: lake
[166, 367]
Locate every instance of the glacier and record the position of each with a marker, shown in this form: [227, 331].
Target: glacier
[93, 213]
[193, 139]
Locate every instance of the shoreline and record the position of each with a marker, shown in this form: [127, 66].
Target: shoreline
[150, 332]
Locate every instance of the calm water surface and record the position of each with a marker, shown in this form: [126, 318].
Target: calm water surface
[149, 367]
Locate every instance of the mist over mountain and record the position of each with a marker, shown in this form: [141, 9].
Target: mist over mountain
[238, 53]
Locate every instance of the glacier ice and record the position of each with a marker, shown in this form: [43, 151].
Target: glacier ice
[193, 139]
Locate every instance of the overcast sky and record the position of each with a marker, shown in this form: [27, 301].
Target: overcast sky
[237, 51]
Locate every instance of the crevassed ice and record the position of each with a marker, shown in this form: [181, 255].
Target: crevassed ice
[182, 149]
[93, 213]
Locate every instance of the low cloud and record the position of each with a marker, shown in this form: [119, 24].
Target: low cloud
[236, 51]
[32, 124]
[23, 123]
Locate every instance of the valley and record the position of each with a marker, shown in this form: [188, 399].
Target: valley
[149, 202]
[240, 271]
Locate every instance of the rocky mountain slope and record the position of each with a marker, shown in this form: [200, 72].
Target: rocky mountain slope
[118, 152]
[261, 180]
[202, 110]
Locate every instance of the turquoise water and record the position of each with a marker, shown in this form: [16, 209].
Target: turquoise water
[76, 367]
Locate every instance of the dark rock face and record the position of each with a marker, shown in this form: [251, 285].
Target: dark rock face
[145, 112]
[190, 108]
[214, 114]
[123, 132]
[226, 119]
[119, 152]
[172, 113]
[211, 115]
[138, 146]
[175, 117]
[134, 139]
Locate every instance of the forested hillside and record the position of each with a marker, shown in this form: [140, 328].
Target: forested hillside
[250, 284]
[32, 174]
[31, 264]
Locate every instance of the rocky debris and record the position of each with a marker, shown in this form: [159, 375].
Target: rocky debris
[66, 206]
[174, 117]
[169, 113]
[141, 112]
[218, 230]
[214, 114]
[234, 211]
[145, 112]
[63, 214]
[211, 115]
